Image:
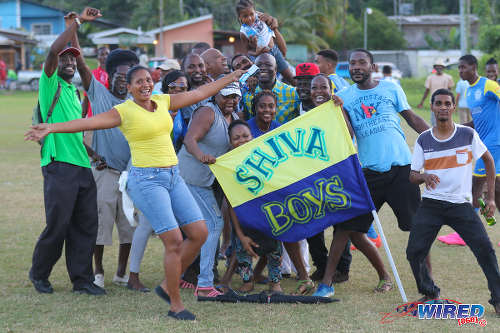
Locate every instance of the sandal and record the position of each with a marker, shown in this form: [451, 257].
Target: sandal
[304, 287]
[224, 288]
[186, 285]
[212, 292]
[383, 286]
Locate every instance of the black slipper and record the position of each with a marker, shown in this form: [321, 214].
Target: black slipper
[142, 290]
[163, 295]
[182, 315]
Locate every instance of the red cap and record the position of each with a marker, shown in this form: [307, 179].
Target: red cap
[73, 50]
[306, 69]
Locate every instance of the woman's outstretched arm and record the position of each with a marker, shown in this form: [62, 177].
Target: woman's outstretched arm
[181, 100]
[104, 120]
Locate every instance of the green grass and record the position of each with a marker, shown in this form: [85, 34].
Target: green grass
[360, 310]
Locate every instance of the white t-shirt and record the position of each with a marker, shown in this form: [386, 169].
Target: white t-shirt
[451, 160]
[259, 29]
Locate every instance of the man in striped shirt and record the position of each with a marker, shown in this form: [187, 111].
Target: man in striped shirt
[445, 153]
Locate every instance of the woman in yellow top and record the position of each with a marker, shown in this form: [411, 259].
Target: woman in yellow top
[154, 182]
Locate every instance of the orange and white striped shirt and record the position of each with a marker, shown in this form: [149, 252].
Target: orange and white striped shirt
[451, 160]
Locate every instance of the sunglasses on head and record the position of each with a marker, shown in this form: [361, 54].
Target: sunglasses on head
[177, 85]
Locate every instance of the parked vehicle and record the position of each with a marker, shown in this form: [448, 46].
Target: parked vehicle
[31, 78]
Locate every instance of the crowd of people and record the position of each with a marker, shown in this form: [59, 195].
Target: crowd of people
[165, 126]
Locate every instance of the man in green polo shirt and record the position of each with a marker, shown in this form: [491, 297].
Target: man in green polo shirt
[69, 187]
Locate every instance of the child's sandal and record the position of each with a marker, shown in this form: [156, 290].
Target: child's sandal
[383, 286]
[304, 287]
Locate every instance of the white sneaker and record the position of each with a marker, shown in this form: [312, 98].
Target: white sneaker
[99, 280]
[121, 281]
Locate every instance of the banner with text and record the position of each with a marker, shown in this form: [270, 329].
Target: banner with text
[298, 179]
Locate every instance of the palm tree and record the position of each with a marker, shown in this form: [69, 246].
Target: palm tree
[297, 20]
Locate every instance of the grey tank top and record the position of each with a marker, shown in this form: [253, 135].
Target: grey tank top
[215, 143]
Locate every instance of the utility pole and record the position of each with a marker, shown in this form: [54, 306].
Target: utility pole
[467, 26]
[181, 8]
[367, 12]
[344, 30]
[161, 28]
[463, 34]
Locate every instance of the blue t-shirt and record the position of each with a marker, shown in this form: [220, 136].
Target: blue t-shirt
[376, 124]
[483, 100]
[256, 132]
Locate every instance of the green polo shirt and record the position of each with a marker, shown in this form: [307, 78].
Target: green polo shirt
[62, 147]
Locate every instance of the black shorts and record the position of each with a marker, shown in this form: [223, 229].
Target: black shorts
[393, 187]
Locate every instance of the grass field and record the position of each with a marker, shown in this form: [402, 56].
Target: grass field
[359, 309]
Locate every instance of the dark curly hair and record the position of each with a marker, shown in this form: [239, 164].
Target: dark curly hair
[259, 95]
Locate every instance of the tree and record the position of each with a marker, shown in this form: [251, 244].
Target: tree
[489, 38]
[295, 21]
[383, 34]
[446, 40]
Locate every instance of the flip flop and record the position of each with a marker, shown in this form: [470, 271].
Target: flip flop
[182, 315]
[163, 295]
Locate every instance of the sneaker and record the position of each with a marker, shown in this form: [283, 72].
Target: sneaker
[99, 280]
[324, 291]
[452, 239]
[121, 281]
[377, 241]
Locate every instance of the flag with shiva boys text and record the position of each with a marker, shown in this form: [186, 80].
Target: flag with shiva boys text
[298, 179]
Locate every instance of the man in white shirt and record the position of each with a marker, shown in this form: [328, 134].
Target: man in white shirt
[445, 153]
[435, 81]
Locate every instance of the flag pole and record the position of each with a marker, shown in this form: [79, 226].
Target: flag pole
[389, 256]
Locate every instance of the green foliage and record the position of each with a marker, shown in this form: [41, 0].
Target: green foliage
[485, 58]
[446, 40]
[296, 20]
[349, 36]
[383, 34]
[489, 38]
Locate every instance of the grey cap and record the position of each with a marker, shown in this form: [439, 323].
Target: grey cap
[230, 89]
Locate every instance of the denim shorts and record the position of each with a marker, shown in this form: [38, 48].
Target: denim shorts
[163, 197]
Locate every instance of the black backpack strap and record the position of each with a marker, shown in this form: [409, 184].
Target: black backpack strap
[54, 102]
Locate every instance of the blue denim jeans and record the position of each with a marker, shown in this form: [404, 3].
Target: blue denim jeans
[163, 197]
[205, 198]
